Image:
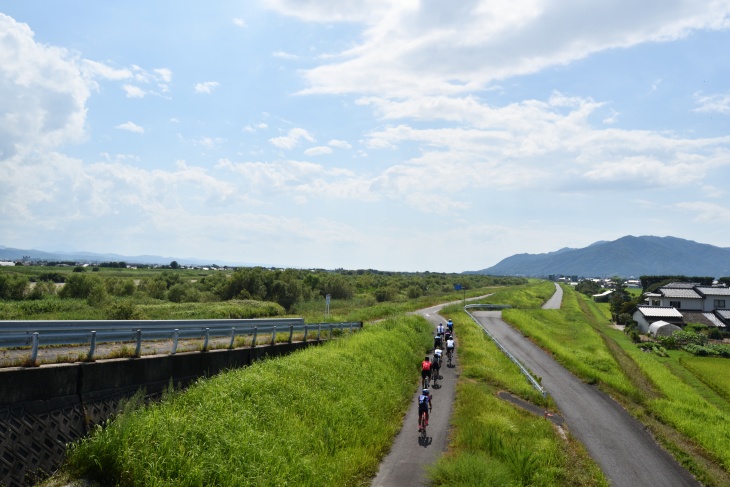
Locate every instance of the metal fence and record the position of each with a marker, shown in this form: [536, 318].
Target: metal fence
[524, 370]
[33, 334]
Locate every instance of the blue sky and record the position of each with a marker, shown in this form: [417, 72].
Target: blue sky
[393, 135]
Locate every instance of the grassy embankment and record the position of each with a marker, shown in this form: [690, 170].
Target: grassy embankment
[690, 418]
[492, 441]
[322, 416]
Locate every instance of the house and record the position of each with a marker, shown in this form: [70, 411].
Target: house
[696, 303]
[644, 316]
[714, 297]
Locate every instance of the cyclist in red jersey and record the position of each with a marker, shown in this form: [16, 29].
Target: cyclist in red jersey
[425, 370]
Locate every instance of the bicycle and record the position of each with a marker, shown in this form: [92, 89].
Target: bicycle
[449, 354]
[425, 382]
[422, 426]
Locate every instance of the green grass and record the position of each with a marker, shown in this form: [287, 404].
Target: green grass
[688, 418]
[572, 340]
[494, 442]
[712, 371]
[322, 416]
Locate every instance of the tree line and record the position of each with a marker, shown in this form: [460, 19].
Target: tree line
[287, 287]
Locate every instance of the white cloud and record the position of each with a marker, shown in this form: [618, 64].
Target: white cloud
[97, 69]
[706, 212]
[131, 127]
[238, 22]
[285, 55]
[717, 103]
[44, 92]
[318, 151]
[254, 128]
[422, 48]
[134, 91]
[292, 138]
[206, 87]
[164, 74]
[340, 144]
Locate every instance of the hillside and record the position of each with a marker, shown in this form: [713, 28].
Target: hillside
[628, 256]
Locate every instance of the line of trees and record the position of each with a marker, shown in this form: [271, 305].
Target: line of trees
[286, 287]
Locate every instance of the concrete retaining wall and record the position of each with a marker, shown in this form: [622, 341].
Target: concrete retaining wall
[44, 408]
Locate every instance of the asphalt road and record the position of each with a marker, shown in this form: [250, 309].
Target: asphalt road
[406, 463]
[624, 450]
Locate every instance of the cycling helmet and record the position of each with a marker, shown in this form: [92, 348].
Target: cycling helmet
[425, 391]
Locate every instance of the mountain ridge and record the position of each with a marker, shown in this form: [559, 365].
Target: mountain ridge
[628, 256]
[14, 254]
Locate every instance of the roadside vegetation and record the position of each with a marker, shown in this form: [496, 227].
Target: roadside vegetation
[321, 416]
[679, 398]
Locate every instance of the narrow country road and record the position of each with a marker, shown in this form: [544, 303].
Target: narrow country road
[626, 453]
[406, 463]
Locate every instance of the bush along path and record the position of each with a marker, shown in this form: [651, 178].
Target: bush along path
[321, 416]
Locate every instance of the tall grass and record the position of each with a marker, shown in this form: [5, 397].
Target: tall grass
[494, 442]
[322, 416]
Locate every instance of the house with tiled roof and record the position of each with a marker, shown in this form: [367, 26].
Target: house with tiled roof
[707, 305]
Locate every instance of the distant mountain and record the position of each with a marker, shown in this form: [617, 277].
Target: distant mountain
[628, 256]
[11, 254]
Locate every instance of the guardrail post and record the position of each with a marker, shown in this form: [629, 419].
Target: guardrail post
[138, 350]
[207, 336]
[273, 336]
[319, 331]
[34, 350]
[92, 348]
[233, 336]
[305, 334]
[291, 333]
[174, 341]
[255, 332]
[351, 328]
[330, 337]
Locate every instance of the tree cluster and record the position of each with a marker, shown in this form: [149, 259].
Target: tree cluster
[287, 287]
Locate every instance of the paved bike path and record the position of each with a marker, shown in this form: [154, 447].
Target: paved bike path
[406, 463]
[626, 453]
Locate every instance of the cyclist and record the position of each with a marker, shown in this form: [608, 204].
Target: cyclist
[425, 405]
[450, 347]
[440, 329]
[425, 371]
[437, 341]
[450, 326]
[436, 364]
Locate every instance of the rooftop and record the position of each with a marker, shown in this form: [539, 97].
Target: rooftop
[659, 312]
[687, 293]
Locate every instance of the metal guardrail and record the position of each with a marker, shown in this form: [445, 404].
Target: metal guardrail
[31, 333]
[524, 370]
